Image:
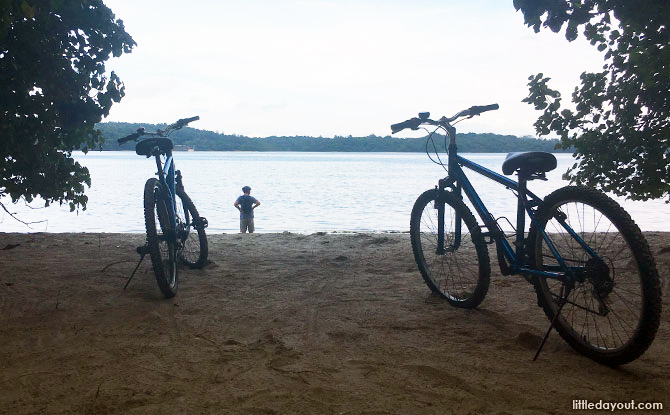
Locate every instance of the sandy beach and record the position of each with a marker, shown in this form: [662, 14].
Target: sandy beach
[284, 323]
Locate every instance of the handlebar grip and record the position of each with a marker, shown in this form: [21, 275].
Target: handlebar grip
[478, 109]
[411, 123]
[131, 137]
[185, 121]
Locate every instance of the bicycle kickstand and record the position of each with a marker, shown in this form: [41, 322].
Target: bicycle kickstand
[143, 251]
[562, 300]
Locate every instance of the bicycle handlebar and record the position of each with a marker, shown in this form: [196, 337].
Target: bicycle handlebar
[478, 109]
[414, 123]
[161, 133]
[133, 136]
[185, 121]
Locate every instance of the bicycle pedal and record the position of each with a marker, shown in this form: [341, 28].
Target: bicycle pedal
[200, 222]
[143, 250]
[488, 235]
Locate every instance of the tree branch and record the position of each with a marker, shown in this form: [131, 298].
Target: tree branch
[17, 219]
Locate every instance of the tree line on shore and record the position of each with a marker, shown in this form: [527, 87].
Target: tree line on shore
[202, 140]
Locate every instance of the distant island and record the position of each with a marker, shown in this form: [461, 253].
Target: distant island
[202, 140]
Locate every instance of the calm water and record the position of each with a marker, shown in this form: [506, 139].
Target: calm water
[299, 192]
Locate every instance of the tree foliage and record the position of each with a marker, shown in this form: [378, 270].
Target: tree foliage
[620, 123]
[53, 91]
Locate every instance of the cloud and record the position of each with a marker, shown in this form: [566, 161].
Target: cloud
[263, 68]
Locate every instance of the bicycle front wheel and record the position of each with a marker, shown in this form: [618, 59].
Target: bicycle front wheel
[190, 232]
[610, 290]
[455, 264]
[160, 237]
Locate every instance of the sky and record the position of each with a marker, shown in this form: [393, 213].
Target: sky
[343, 67]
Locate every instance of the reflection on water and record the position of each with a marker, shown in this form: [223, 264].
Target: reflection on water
[300, 192]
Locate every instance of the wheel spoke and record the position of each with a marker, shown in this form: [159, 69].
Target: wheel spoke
[192, 241]
[604, 317]
[459, 274]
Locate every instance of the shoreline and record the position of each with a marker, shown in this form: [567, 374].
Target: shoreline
[307, 233]
[338, 232]
[285, 323]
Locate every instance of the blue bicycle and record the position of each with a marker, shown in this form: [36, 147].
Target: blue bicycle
[175, 229]
[591, 267]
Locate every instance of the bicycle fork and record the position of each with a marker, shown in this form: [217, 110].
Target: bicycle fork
[439, 205]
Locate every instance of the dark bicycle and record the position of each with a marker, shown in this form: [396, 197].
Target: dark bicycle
[591, 267]
[175, 230]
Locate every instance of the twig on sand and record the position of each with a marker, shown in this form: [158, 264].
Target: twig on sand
[114, 263]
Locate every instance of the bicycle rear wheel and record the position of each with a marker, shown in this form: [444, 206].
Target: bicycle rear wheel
[612, 300]
[160, 237]
[460, 271]
[190, 232]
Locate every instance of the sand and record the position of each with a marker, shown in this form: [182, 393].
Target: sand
[282, 324]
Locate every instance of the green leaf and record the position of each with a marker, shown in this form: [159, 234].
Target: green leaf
[60, 47]
[621, 127]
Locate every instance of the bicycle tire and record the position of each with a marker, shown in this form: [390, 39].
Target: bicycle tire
[461, 276]
[194, 247]
[160, 238]
[612, 310]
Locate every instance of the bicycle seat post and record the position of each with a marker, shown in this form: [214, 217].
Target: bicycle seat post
[521, 216]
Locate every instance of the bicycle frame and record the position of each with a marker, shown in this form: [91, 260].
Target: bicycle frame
[168, 177]
[527, 202]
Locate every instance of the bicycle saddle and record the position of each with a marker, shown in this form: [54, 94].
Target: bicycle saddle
[144, 147]
[530, 161]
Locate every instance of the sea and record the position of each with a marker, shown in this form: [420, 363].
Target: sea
[299, 192]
